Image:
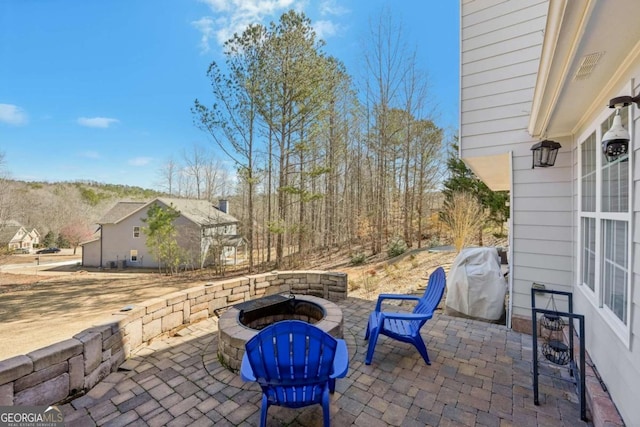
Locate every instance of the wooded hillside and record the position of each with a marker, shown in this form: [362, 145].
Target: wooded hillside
[53, 207]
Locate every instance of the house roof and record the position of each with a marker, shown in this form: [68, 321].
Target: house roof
[8, 232]
[200, 212]
[588, 51]
[120, 211]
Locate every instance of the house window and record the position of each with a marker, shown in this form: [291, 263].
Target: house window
[615, 275]
[136, 232]
[604, 228]
[589, 253]
[133, 255]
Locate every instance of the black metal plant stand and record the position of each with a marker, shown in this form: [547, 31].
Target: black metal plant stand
[554, 349]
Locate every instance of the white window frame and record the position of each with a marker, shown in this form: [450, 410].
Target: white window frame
[597, 296]
[136, 231]
[133, 255]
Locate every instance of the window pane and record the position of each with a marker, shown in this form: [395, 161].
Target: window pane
[588, 252]
[615, 186]
[615, 269]
[615, 174]
[588, 179]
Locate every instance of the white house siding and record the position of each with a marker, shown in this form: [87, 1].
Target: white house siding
[542, 226]
[500, 54]
[91, 254]
[118, 241]
[618, 363]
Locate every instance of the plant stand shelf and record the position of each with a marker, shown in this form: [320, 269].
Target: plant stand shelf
[555, 352]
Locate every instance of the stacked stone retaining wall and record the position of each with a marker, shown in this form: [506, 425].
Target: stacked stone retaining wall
[60, 371]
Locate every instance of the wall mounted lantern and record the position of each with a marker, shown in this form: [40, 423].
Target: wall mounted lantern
[545, 153]
[615, 142]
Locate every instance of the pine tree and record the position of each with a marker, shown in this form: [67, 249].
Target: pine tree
[162, 236]
[463, 180]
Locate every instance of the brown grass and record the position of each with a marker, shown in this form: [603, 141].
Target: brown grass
[39, 309]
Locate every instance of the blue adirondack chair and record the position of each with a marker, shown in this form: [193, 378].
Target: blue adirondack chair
[296, 364]
[405, 327]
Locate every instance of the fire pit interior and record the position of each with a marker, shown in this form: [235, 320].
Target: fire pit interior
[241, 322]
[262, 312]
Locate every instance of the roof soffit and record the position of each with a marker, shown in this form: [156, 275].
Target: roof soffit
[564, 105]
[566, 21]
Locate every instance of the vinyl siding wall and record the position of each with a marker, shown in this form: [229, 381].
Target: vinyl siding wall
[500, 54]
[118, 241]
[91, 254]
[618, 363]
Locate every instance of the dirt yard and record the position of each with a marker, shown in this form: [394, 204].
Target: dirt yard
[39, 307]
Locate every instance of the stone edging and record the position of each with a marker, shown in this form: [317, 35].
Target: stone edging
[60, 371]
[232, 336]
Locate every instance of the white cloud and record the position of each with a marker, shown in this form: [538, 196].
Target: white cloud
[325, 29]
[12, 115]
[331, 7]
[140, 161]
[235, 16]
[97, 122]
[205, 26]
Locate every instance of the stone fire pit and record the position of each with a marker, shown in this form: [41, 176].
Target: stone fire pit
[239, 323]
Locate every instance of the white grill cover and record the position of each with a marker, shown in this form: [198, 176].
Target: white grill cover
[475, 286]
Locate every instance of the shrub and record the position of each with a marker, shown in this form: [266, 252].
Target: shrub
[358, 258]
[434, 241]
[370, 282]
[396, 246]
[414, 261]
[464, 216]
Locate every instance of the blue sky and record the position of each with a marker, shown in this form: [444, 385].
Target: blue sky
[102, 90]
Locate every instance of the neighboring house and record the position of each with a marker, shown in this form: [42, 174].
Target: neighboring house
[201, 227]
[14, 236]
[35, 237]
[535, 70]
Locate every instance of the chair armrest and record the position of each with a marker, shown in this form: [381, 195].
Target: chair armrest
[340, 360]
[246, 372]
[405, 316]
[382, 297]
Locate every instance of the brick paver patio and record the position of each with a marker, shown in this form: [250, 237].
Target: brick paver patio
[480, 376]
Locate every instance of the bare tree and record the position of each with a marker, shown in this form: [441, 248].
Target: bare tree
[5, 202]
[385, 60]
[168, 173]
[196, 162]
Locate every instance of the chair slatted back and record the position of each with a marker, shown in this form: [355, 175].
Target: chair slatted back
[292, 361]
[431, 297]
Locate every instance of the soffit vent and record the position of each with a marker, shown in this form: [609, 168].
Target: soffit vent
[587, 65]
